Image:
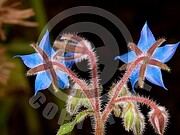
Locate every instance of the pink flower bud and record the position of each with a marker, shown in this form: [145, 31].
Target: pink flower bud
[159, 119]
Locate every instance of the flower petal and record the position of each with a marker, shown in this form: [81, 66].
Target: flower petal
[69, 63]
[166, 52]
[46, 46]
[127, 57]
[134, 77]
[42, 81]
[153, 74]
[31, 60]
[146, 39]
[62, 79]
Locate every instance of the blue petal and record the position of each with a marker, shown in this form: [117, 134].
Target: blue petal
[69, 63]
[127, 57]
[63, 80]
[166, 52]
[134, 77]
[31, 60]
[46, 46]
[42, 81]
[146, 39]
[153, 74]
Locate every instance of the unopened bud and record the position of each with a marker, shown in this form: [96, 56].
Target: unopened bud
[159, 119]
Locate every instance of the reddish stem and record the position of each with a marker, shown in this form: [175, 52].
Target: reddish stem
[93, 67]
[137, 99]
[84, 49]
[78, 81]
[119, 87]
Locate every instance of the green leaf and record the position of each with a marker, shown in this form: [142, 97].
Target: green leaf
[68, 127]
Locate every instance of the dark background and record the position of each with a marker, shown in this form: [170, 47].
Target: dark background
[163, 19]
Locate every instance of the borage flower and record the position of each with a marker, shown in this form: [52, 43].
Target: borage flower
[41, 65]
[154, 58]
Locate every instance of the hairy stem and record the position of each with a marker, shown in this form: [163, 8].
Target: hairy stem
[93, 66]
[137, 99]
[94, 73]
[78, 81]
[99, 128]
[108, 107]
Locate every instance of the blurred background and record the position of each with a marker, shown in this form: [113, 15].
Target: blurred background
[21, 22]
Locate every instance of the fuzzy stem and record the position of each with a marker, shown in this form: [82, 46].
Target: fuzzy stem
[78, 81]
[99, 128]
[119, 87]
[93, 67]
[84, 48]
[137, 99]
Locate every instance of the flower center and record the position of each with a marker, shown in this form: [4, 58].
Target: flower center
[49, 65]
[146, 60]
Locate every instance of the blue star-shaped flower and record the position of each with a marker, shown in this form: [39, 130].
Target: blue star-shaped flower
[155, 57]
[41, 64]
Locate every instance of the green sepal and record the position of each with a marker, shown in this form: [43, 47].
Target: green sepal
[138, 125]
[73, 102]
[124, 91]
[129, 117]
[68, 127]
[125, 109]
[85, 102]
[117, 111]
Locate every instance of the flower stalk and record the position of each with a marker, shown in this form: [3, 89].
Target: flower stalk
[119, 87]
[81, 83]
[144, 61]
